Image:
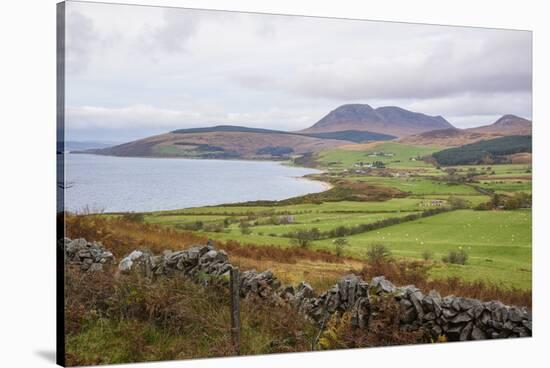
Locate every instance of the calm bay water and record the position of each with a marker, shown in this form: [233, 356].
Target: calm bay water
[112, 184]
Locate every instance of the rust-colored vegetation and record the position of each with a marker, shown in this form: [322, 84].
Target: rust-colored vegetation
[122, 236]
[127, 318]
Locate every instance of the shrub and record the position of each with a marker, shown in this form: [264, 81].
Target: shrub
[458, 203]
[377, 253]
[339, 244]
[300, 242]
[456, 257]
[309, 234]
[214, 227]
[245, 228]
[132, 216]
[427, 255]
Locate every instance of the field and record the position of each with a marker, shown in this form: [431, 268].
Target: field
[394, 154]
[437, 212]
[497, 242]
[419, 186]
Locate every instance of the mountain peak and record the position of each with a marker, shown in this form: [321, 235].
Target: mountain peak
[509, 119]
[507, 125]
[386, 120]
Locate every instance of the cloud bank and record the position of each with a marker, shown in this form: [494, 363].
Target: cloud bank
[148, 70]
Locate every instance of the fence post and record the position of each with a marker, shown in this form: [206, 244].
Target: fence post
[235, 309]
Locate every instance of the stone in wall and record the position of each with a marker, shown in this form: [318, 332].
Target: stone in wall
[90, 256]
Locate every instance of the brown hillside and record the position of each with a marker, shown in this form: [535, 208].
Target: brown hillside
[505, 126]
[235, 144]
[447, 137]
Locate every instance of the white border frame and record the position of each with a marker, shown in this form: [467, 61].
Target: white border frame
[28, 185]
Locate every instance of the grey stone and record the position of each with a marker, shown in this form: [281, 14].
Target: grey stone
[478, 334]
[453, 333]
[127, 262]
[467, 303]
[95, 267]
[416, 298]
[515, 314]
[466, 331]
[449, 313]
[380, 285]
[462, 317]
[430, 316]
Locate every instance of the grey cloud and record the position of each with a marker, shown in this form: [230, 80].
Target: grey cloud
[173, 68]
[177, 29]
[145, 116]
[80, 36]
[406, 74]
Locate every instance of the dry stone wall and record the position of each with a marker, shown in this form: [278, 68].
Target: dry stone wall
[89, 256]
[457, 318]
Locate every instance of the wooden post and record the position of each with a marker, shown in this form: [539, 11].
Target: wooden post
[235, 309]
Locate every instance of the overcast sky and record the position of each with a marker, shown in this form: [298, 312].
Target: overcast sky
[134, 71]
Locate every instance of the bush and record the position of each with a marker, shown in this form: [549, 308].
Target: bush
[458, 203]
[132, 216]
[214, 227]
[340, 243]
[456, 257]
[311, 234]
[518, 200]
[427, 255]
[378, 253]
[300, 242]
[245, 228]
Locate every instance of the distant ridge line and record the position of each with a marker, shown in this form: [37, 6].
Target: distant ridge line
[344, 135]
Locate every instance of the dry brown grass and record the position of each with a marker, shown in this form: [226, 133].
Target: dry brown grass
[291, 265]
[129, 319]
[122, 236]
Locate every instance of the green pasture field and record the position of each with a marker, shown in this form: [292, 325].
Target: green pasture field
[498, 243]
[402, 156]
[499, 169]
[396, 204]
[323, 222]
[507, 186]
[419, 186]
[472, 199]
